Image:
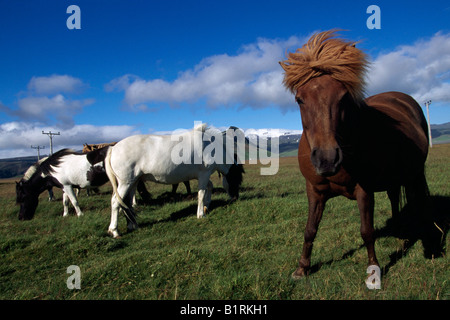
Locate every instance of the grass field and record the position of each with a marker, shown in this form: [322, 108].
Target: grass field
[243, 250]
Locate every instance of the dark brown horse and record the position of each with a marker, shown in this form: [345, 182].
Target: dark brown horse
[351, 146]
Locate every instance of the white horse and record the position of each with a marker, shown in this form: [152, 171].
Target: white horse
[151, 157]
[64, 169]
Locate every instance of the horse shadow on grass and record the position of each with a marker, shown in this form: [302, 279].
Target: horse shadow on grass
[431, 230]
[169, 197]
[190, 210]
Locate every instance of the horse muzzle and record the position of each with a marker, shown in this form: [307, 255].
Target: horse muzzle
[327, 162]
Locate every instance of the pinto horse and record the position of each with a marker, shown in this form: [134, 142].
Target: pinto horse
[353, 146]
[150, 157]
[64, 169]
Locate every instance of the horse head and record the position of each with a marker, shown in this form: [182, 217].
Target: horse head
[327, 77]
[27, 198]
[232, 180]
[30, 187]
[322, 107]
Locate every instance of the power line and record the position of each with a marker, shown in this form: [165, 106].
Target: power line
[50, 135]
[427, 104]
[38, 148]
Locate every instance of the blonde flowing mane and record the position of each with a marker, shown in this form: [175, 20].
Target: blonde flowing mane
[325, 54]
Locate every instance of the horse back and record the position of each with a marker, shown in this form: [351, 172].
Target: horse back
[150, 157]
[401, 116]
[392, 143]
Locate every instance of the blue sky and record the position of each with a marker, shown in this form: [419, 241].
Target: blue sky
[153, 66]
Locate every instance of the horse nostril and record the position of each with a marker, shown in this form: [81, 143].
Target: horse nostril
[326, 161]
[338, 156]
[314, 156]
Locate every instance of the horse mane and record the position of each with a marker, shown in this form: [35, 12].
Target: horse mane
[32, 169]
[54, 160]
[325, 54]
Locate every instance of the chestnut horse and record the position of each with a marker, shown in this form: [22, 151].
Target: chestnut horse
[351, 146]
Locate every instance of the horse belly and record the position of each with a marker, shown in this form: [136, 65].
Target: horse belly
[390, 161]
[171, 173]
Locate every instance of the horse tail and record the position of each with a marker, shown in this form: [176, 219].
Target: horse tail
[415, 195]
[429, 227]
[113, 178]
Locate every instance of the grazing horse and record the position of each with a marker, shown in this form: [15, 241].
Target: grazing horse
[146, 196]
[64, 169]
[150, 157]
[353, 146]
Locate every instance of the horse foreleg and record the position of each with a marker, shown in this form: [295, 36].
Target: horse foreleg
[200, 207]
[188, 186]
[205, 187]
[50, 193]
[65, 204]
[71, 194]
[174, 188]
[316, 203]
[208, 194]
[366, 206]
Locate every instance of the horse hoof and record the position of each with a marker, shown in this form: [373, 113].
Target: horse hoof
[298, 274]
[201, 214]
[114, 234]
[132, 227]
[373, 281]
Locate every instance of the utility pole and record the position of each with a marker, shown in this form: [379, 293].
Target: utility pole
[38, 148]
[50, 135]
[427, 104]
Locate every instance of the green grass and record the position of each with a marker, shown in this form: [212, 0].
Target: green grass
[243, 250]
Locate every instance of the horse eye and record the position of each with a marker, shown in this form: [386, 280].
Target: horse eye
[299, 101]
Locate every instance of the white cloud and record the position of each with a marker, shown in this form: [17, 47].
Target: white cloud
[16, 138]
[55, 84]
[57, 109]
[46, 101]
[421, 70]
[251, 78]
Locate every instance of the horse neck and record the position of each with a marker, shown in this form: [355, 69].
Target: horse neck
[39, 184]
[349, 130]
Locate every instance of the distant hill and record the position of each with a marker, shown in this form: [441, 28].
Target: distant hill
[440, 133]
[288, 146]
[15, 167]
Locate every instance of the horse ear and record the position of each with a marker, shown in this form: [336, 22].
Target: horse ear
[97, 155]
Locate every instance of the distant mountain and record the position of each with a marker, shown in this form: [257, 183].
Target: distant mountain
[271, 133]
[15, 167]
[287, 139]
[440, 133]
[288, 146]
